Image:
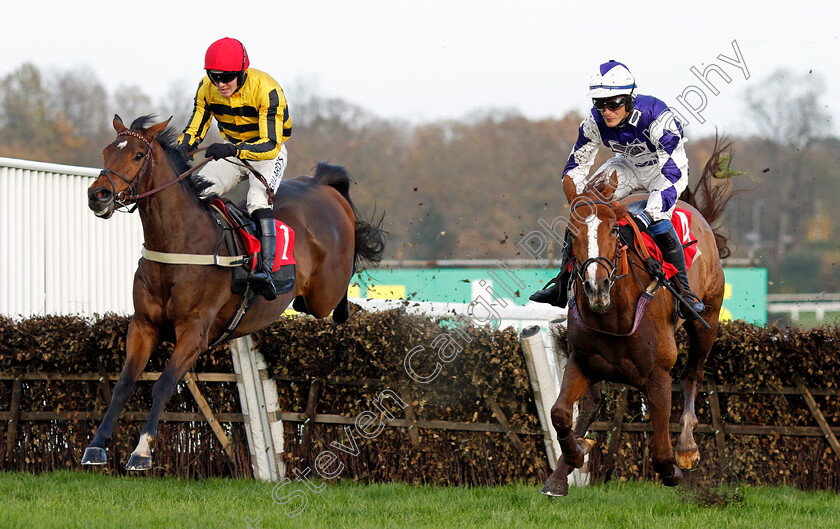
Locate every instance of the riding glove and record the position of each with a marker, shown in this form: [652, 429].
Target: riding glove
[218, 151]
[183, 151]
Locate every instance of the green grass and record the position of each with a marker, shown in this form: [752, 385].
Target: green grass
[87, 500]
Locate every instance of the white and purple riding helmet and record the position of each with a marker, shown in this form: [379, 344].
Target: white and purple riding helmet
[613, 79]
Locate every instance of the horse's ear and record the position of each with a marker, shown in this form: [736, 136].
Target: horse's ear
[569, 188]
[153, 131]
[118, 124]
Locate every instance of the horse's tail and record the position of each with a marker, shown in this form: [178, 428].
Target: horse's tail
[709, 198]
[370, 237]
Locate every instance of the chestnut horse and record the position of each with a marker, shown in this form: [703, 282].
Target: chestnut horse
[606, 340]
[192, 305]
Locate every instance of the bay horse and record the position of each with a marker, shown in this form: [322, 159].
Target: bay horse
[609, 339]
[191, 305]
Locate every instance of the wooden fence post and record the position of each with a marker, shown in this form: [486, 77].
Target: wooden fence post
[812, 404]
[615, 432]
[717, 423]
[104, 384]
[14, 415]
[309, 419]
[500, 416]
[192, 383]
[411, 418]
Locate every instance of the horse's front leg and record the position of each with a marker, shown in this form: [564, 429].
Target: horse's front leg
[141, 340]
[574, 385]
[190, 341]
[658, 390]
[588, 407]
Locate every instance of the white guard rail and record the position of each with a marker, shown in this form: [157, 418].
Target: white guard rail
[56, 257]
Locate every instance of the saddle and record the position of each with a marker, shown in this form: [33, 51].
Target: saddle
[647, 247]
[241, 238]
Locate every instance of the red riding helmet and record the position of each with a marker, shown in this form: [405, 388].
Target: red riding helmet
[227, 55]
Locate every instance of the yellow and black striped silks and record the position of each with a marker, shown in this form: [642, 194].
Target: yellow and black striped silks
[255, 118]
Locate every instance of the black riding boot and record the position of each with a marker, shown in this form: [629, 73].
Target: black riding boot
[672, 252]
[556, 291]
[260, 278]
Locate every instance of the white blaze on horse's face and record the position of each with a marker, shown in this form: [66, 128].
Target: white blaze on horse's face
[592, 225]
[122, 144]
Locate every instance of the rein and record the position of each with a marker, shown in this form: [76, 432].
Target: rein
[147, 167]
[641, 306]
[258, 175]
[611, 267]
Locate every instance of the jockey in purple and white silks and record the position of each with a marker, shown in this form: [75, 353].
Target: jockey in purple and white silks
[649, 146]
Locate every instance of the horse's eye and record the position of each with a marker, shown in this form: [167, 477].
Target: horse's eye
[139, 156]
[615, 229]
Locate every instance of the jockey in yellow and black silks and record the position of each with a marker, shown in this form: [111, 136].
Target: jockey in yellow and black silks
[253, 117]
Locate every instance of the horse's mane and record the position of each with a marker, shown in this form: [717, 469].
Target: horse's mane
[595, 191]
[167, 140]
[711, 199]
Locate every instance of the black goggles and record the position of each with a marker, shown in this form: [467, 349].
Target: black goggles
[612, 104]
[221, 77]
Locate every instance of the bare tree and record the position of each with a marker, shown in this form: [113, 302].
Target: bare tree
[130, 102]
[29, 125]
[79, 96]
[178, 103]
[790, 117]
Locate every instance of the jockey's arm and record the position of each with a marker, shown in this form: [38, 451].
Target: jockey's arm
[673, 166]
[200, 119]
[583, 153]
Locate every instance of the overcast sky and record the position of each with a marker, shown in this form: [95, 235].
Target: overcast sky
[431, 60]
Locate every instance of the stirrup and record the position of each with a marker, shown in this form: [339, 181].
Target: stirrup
[263, 284]
[694, 301]
[553, 294]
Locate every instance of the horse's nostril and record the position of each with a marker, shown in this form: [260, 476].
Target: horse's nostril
[100, 195]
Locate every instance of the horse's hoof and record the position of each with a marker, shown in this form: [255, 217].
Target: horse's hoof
[299, 304]
[688, 460]
[138, 462]
[673, 480]
[94, 456]
[341, 313]
[556, 488]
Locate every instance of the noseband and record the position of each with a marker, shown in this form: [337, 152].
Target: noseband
[148, 166]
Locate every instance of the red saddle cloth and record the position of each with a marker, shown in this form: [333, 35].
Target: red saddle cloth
[681, 219]
[284, 248]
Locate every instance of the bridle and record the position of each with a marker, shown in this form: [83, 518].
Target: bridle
[123, 197]
[612, 270]
[611, 266]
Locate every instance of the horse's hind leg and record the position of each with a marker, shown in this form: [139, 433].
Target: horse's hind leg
[299, 304]
[142, 338]
[658, 390]
[342, 311]
[588, 407]
[700, 343]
